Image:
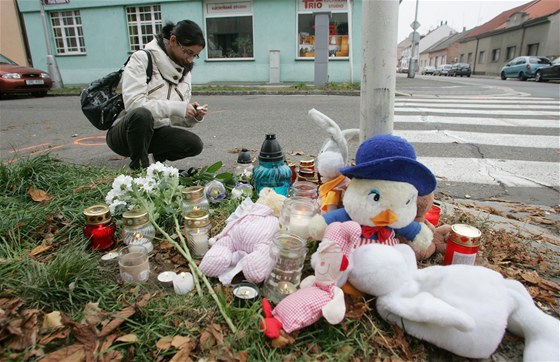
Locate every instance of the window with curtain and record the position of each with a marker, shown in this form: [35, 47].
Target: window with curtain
[229, 29]
[67, 31]
[143, 23]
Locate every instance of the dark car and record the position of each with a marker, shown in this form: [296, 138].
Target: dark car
[19, 79]
[523, 67]
[428, 70]
[460, 69]
[442, 69]
[552, 72]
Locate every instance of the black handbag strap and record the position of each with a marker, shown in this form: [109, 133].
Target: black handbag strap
[149, 69]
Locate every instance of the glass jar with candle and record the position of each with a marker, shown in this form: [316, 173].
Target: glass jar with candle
[304, 189]
[194, 199]
[272, 170]
[197, 226]
[99, 228]
[296, 215]
[137, 229]
[244, 168]
[288, 252]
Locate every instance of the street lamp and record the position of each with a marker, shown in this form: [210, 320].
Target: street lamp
[415, 37]
[52, 67]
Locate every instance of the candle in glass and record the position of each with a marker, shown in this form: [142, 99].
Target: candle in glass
[137, 229]
[194, 199]
[99, 228]
[197, 225]
[296, 215]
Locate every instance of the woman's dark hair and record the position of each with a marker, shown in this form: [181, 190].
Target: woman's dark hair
[187, 32]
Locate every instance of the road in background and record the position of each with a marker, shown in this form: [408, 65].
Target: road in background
[491, 144]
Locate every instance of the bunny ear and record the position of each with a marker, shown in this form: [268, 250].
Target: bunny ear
[351, 134]
[332, 129]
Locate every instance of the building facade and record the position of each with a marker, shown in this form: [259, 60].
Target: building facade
[245, 38]
[529, 29]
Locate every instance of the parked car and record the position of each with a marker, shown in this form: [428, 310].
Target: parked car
[460, 69]
[551, 72]
[442, 69]
[428, 70]
[523, 67]
[20, 79]
[402, 70]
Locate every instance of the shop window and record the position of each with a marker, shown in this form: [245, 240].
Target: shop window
[339, 46]
[496, 55]
[68, 33]
[229, 29]
[143, 23]
[510, 52]
[533, 49]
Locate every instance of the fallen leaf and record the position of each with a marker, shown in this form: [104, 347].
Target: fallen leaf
[164, 343]
[93, 315]
[119, 318]
[38, 195]
[108, 342]
[57, 334]
[40, 249]
[52, 320]
[73, 353]
[531, 277]
[112, 356]
[242, 356]
[128, 338]
[183, 355]
[207, 340]
[282, 341]
[180, 342]
[29, 329]
[85, 334]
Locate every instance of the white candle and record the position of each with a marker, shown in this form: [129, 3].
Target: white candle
[245, 292]
[199, 243]
[286, 288]
[183, 283]
[299, 225]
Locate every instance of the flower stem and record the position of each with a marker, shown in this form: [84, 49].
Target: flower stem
[187, 254]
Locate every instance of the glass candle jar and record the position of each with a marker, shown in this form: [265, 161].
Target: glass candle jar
[296, 215]
[137, 229]
[99, 227]
[244, 168]
[194, 199]
[197, 226]
[304, 189]
[288, 252]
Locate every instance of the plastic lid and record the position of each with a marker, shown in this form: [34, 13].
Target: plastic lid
[244, 156]
[271, 150]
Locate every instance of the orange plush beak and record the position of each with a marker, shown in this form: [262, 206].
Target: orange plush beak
[384, 218]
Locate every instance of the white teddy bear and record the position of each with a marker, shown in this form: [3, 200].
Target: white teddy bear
[464, 309]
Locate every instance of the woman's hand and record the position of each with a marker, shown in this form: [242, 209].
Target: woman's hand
[195, 110]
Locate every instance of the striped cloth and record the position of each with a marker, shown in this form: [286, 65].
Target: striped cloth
[304, 307]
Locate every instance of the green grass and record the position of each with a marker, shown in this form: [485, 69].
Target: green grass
[68, 275]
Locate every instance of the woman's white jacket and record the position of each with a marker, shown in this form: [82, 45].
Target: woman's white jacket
[166, 95]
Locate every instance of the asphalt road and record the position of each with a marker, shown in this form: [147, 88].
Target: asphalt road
[30, 126]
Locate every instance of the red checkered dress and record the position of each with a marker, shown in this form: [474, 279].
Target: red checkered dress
[304, 307]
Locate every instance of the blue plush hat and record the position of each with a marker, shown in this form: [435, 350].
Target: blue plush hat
[392, 158]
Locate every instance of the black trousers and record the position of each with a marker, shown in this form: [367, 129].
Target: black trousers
[135, 137]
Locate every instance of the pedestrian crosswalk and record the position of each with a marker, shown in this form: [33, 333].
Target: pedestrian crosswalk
[492, 142]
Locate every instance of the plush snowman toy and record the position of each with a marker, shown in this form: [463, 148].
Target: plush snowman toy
[382, 195]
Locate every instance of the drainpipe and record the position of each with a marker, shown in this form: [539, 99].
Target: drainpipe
[475, 57]
[350, 42]
[522, 40]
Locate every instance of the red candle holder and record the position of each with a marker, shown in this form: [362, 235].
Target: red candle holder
[433, 214]
[99, 228]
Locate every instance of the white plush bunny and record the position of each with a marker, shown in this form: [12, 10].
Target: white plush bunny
[464, 309]
[333, 156]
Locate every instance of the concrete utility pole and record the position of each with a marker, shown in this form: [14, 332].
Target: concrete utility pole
[415, 38]
[379, 56]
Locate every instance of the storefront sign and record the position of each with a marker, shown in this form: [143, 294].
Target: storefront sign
[229, 8]
[324, 5]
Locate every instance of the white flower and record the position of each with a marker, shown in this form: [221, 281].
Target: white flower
[122, 183]
[114, 204]
[145, 184]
